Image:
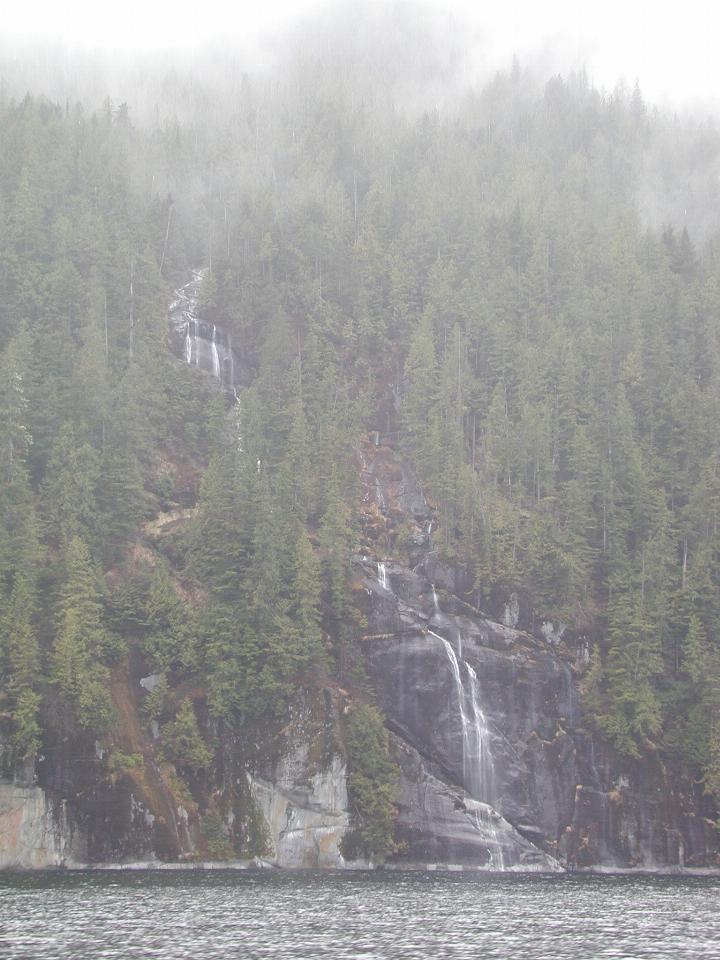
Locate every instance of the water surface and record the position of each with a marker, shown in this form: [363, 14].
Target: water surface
[363, 916]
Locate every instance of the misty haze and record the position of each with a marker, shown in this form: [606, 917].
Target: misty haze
[359, 482]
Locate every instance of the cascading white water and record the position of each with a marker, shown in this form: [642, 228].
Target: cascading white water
[215, 355]
[382, 575]
[477, 762]
[460, 693]
[482, 741]
[379, 495]
[206, 345]
[436, 604]
[486, 823]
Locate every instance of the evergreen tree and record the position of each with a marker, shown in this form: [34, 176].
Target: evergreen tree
[77, 673]
[20, 652]
[305, 600]
[71, 480]
[183, 742]
[335, 542]
[419, 408]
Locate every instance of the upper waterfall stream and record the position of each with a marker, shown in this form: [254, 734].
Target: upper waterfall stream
[204, 344]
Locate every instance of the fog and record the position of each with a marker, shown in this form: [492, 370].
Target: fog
[671, 56]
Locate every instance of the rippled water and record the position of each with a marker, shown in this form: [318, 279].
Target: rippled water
[252, 915]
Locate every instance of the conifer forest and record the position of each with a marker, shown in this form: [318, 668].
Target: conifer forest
[337, 414]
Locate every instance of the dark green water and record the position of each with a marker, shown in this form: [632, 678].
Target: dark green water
[225, 915]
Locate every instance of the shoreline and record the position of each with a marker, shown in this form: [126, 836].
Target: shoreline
[258, 865]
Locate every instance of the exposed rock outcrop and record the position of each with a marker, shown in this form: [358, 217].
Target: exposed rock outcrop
[34, 830]
[441, 825]
[495, 713]
[305, 812]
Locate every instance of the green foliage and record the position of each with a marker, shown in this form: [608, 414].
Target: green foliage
[257, 841]
[335, 540]
[250, 669]
[182, 742]
[305, 601]
[77, 673]
[20, 659]
[166, 621]
[165, 489]
[261, 627]
[712, 765]
[216, 838]
[221, 541]
[71, 480]
[156, 700]
[420, 409]
[695, 654]
[371, 787]
[27, 733]
[120, 762]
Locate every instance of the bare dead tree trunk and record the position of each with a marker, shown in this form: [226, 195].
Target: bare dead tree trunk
[107, 356]
[167, 234]
[132, 308]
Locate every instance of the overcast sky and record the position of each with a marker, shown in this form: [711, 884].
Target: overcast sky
[672, 49]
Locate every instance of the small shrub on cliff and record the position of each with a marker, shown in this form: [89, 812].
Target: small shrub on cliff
[120, 761]
[256, 839]
[156, 699]
[371, 782]
[26, 739]
[81, 701]
[182, 742]
[216, 839]
[165, 487]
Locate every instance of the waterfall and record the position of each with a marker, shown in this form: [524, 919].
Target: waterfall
[481, 746]
[379, 495]
[204, 345]
[215, 355]
[477, 762]
[228, 373]
[382, 575]
[435, 598]
[486, 823]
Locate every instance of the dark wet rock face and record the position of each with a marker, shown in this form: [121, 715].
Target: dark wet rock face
[479, 703]
[483, 712]
[439, 823]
